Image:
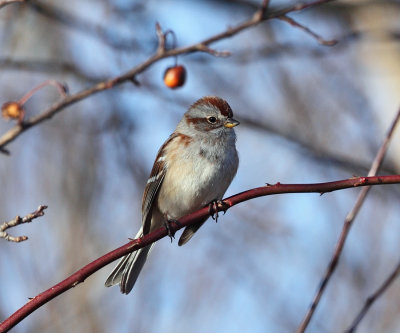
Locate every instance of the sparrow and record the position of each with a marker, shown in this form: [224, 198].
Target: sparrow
[193, 169]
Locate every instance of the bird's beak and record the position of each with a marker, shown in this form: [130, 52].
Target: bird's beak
[230, 122]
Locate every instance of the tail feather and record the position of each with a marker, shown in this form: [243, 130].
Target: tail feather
[128, 268]
[189, 232]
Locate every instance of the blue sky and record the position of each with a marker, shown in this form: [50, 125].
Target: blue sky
[258, 268]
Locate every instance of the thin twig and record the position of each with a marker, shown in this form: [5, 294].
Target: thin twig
[346, 227]
[190, 219]
[61, 88]
[319, 39]
[131, 75]
[17, 221]
[372, 298]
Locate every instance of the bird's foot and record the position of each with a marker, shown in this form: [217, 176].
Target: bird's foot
[214, 206]
[167, 225]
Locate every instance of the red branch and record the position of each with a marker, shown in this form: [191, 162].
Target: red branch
[136, 244]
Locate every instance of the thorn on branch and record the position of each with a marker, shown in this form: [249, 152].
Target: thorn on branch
[317, 37]
[17, 221]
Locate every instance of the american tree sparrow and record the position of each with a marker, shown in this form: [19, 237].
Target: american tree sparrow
[193, 168]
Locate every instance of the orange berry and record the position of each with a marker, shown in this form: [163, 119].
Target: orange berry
[175, 76]
[12, 110]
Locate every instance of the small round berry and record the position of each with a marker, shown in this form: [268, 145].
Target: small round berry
[12, 110]
[174, 77]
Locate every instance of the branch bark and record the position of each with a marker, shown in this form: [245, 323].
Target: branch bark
[80, 275]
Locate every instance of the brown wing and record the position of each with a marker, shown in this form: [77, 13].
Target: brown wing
[153, 185]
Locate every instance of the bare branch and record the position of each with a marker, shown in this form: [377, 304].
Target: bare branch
[346, 227]
[80, 275]
[371, 299]
[131, 75]
[319, 39]
[17, 221]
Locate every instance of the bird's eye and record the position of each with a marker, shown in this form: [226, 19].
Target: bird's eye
[212, 120]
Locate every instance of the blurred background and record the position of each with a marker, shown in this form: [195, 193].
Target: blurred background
[308, 113]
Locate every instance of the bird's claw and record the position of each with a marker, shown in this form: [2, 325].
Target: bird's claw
[214, 206]
[171, 233]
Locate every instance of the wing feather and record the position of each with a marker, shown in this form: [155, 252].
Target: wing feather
[153, 184]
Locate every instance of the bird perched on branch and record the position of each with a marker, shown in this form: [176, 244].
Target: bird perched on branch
[193, 169]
